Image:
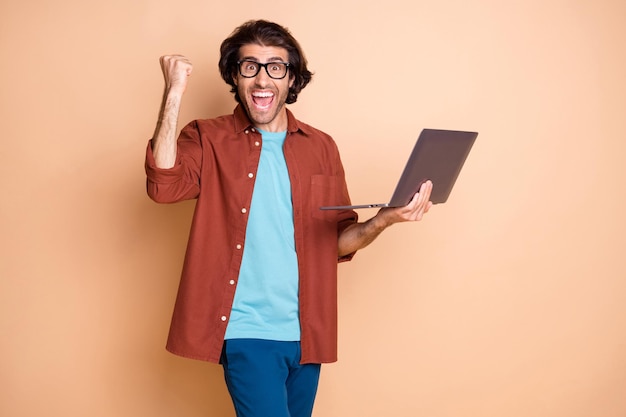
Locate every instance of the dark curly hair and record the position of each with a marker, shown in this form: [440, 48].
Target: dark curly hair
[264, 33]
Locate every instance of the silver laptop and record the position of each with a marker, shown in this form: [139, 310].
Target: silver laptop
[438, 155]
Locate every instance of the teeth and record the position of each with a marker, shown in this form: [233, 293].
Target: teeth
[263, 94]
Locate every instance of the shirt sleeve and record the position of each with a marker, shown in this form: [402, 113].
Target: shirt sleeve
[345, 217]
[182, 181]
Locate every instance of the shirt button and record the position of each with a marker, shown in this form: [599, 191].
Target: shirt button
[244, 211]
[246, 131]
[257, 143]
[238, 246]
[250, 175]
[223, 318]
[231, 282]
[253, 130]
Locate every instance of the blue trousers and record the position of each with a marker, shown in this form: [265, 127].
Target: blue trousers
[265, 379]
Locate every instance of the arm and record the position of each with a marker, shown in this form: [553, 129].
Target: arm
[176, 70]
[359, 235]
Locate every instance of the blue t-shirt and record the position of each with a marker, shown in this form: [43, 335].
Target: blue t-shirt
[266, 299]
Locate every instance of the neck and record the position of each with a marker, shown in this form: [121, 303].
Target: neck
[278, 124]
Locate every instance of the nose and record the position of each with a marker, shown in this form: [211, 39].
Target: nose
[262, 78]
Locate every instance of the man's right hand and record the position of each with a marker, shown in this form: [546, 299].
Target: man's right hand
[176, 70]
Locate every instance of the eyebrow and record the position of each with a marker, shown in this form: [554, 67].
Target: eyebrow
[272, 59]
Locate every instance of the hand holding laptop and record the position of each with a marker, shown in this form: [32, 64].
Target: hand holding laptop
[427, 179]
[414, 211]
[438, 156]
[358, 235]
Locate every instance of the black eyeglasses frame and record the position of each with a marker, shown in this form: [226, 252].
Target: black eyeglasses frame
[286, 64]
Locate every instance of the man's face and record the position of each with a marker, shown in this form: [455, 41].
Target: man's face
[262, 96]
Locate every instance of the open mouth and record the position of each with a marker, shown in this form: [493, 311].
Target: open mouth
[262, 99]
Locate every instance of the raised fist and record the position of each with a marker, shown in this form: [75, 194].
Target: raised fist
[176, 70]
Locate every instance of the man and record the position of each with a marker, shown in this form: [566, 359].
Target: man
[258, 291]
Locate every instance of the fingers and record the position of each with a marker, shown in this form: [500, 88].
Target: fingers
[422, 197]
[425, 189]
[420, 204]
[176, 69]
[169, 60]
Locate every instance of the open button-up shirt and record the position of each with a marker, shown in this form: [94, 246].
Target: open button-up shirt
[216, 163]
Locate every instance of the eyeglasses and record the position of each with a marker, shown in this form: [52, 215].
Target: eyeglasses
[250, 69]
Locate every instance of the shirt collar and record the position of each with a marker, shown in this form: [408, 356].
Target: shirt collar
[242, 122]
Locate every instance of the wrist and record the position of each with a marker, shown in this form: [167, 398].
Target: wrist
[175, 92]
[381, 221]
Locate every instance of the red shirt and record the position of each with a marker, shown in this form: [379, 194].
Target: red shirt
[216, 163]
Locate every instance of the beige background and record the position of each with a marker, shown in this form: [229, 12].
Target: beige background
[509, 300]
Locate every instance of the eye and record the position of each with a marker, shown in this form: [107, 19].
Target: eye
[250, 66]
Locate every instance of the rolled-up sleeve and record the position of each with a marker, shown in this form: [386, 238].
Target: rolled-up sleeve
[182, 181]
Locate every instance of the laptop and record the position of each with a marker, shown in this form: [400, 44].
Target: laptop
[438, 155]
